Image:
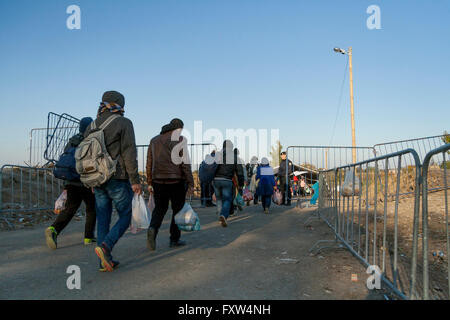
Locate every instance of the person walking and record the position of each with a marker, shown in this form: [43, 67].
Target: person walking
[302, 187]
[168, 174]
[205, 177]
[266, 184]
[118, 190]
[285, 185]
[76, 193]
[227, 167]
[252, 174]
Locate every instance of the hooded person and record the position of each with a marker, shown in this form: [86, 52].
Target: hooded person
[228, 166]
[76, 193]
[266, 183]
[169, 176]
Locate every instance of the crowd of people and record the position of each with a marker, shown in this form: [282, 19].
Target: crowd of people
[110, 178]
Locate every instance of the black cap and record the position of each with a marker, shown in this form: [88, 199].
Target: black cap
[114, 97]
[176, 124]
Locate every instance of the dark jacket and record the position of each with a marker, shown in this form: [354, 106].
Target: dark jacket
[121, 144]
[282, 168]
[227, 171]
[73, 143]
[160, 167]
[266, 180]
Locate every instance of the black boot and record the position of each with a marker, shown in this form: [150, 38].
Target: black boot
[151, 239]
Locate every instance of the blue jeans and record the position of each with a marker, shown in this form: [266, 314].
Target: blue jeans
[120, 193]
[224, 196]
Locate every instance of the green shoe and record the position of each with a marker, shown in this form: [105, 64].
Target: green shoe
[50, 237]
[88, 241]
[114, 264]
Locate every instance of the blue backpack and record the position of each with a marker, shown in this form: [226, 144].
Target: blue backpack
[65, 167]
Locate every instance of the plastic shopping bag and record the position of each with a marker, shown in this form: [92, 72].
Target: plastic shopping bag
[238, 200]
[277, 197]
[141, 217]
[248, 196]
[187, 219]
[60, 203]
[347, 187]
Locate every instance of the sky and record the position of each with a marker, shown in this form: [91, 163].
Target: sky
[230, 64]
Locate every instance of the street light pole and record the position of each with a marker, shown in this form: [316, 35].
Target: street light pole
[352, 111]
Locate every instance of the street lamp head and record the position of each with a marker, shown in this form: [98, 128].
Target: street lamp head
[339, 50]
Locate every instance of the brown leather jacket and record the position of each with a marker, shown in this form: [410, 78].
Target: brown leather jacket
[160, 167]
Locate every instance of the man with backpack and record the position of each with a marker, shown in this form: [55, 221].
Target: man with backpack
[76, 192]
[169, 174]
[107, 161]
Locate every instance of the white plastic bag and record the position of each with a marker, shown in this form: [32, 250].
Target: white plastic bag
[347, 187]
[60, 203]
[187, 219]
[140, 214]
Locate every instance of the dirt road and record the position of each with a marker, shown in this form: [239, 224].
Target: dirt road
[257, 257]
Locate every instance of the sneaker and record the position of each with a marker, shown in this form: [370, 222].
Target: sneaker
[88, 241]
[151, 243]
[50, 237]
[223, 221]
[104, 254]
[266, 211]
[102, 268]
[179, 243]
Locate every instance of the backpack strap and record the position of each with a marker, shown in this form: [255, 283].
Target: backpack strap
[108, 121]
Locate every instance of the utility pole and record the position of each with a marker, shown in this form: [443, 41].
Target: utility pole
[352, 111]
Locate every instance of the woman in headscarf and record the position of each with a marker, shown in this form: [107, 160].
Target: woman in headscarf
[265, 181]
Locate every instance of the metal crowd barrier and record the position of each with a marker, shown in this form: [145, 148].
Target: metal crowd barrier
[38, 144]
[442, 252]
[25, 189]
[355, 218]
[421, 145]
[60, 128]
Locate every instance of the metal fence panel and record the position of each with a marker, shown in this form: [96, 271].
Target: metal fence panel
[38, 144]
[422, 146]
[24, 189]
[60, 128]
[435, 213]
[366, 221]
